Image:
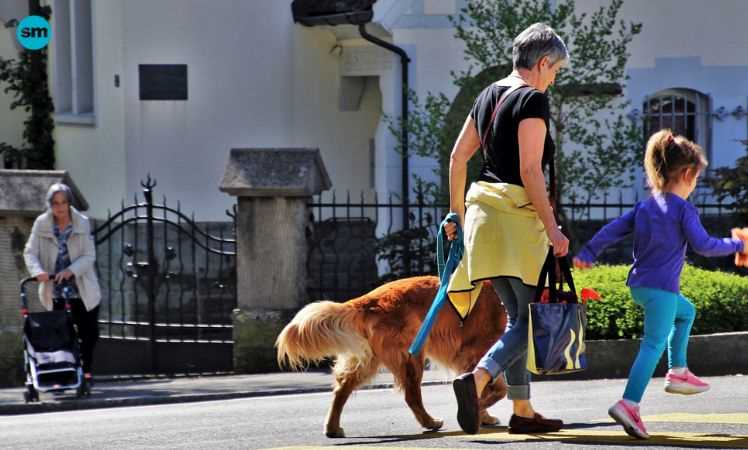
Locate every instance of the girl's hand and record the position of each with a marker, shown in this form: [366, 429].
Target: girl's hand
[741, 259]
[580, 264]
[44, 276]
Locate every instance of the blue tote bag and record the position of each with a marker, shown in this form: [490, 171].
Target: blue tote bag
[556, 331]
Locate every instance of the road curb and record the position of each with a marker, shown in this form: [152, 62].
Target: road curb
[89, 403]
[708, 355]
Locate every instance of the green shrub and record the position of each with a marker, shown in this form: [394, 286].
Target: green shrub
[721, 301]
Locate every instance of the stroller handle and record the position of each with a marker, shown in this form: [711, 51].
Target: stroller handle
[30, 279]
[24, 299]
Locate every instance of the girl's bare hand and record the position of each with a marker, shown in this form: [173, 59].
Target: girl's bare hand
[580, 264]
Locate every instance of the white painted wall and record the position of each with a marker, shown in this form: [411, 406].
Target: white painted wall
[714, 30]
[271, 84]
[342, 136]
[95, 154]
[435, 54]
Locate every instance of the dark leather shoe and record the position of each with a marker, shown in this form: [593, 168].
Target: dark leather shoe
[537, 424]
[468, 413]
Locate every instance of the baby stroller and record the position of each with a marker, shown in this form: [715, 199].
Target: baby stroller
[50, 350]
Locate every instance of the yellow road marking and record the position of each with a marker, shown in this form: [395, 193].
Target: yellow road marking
[619, 437]
[354, 447]
[584, 436]
[734, 418]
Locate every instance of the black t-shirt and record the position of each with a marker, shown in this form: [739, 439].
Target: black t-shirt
[501, 155]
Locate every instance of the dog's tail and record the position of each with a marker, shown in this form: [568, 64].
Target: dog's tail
[319, 330]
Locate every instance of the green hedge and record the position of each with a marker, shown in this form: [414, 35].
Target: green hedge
[721, 301]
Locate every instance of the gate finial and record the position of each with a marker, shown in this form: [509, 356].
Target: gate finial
[149, 184]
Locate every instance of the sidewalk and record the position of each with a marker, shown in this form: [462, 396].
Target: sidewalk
[108, 392]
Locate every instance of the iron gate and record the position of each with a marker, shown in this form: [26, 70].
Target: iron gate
[168, 289]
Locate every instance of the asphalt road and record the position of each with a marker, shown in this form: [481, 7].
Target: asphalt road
[380, 419]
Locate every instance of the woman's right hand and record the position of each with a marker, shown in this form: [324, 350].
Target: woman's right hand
[44, 276]
[559, 242]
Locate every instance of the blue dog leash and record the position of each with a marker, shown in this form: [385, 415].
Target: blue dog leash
[446, 270]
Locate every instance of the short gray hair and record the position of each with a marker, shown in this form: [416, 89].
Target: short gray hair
[59, 187]
[538, 40]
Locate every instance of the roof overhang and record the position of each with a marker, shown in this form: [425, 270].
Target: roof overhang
[325, 12]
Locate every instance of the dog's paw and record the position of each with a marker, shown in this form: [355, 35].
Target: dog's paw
[487, 419]
[436, 424]
[338, 433]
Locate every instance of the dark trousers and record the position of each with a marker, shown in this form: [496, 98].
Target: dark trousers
[87, 324]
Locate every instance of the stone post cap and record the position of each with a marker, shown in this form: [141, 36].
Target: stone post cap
[275, 172]
[24, 192]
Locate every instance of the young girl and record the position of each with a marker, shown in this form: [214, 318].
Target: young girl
[662, 226]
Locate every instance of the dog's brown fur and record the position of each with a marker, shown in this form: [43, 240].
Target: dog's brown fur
[377, 329]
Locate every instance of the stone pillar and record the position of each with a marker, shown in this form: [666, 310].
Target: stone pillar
[273, 187]
[22, 199]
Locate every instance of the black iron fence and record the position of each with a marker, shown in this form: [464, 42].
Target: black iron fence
[355, 244]
[168, 288]
[346, 257]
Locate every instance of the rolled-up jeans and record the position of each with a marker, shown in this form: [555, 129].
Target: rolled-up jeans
[509, 354]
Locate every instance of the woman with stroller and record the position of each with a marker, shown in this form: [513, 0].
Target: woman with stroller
[61, 244]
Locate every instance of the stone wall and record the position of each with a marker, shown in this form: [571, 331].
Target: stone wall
[14, 231]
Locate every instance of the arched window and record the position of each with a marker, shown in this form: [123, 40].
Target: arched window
[685, 111]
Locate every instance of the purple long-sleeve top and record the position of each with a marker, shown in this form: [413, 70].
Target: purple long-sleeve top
[662, 226]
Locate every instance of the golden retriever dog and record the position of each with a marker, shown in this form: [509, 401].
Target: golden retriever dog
[376, 330]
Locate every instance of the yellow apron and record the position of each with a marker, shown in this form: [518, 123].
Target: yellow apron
[503, 237]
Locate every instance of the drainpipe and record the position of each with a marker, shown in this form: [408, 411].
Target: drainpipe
[404, 60]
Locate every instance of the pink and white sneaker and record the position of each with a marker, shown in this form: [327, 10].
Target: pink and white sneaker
[685, 383]
[628, 417]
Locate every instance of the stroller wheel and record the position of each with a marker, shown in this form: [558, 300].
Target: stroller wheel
[31, 395]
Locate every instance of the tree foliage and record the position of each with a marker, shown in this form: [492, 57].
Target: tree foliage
[597, 146]
[732, 183]
[26, 80]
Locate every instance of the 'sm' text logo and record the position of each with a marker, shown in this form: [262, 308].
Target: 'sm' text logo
[34, 32]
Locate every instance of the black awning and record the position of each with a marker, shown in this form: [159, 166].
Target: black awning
[332, 12]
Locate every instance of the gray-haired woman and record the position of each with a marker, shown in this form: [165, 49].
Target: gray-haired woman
[507, 217]
[61, 243]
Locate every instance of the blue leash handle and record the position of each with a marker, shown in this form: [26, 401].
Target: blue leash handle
[446, 269]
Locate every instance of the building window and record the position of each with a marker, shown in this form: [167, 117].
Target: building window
[73, 56]
[685, 111]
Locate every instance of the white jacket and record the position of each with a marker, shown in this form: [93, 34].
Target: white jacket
[40, 255]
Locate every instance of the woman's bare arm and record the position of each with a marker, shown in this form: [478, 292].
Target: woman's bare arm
[465, 147]
[531, 137]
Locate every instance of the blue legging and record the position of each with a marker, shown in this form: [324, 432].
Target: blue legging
[668, 317]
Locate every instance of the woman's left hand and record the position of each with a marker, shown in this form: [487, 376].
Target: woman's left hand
[64, 275]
